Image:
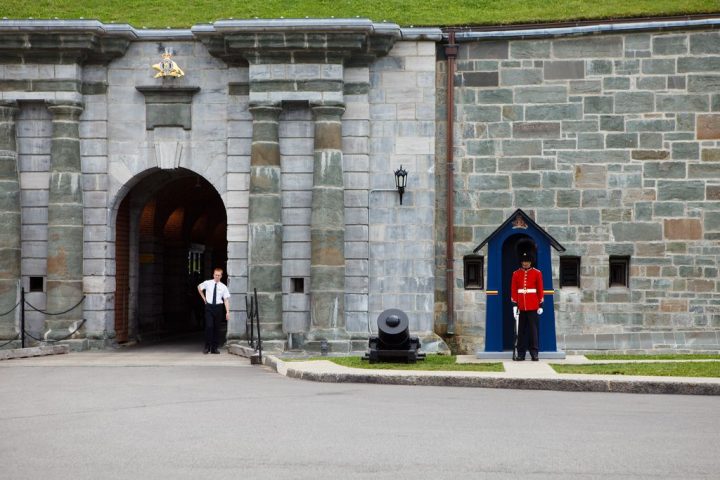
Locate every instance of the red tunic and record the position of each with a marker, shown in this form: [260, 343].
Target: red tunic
[526, 288]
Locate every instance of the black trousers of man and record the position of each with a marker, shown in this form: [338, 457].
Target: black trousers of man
[528, 333]
[214, 314]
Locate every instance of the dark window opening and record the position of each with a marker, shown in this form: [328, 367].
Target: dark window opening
[619, 271]
[196, 260]
[297, 285]
[36, 284]
[474, 267]
[569, 271]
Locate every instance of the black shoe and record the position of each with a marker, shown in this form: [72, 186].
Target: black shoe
[215, 350]
[534, 359]
[206, 350]
[519, 359]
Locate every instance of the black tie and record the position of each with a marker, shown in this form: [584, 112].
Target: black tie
[214, 293]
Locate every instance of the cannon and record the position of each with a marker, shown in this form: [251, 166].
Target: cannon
[393, 342]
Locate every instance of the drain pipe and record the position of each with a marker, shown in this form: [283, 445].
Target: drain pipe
[591, 28]
[451, 51]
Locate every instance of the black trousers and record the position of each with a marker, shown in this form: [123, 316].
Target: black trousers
[214, 314]
[528, 333]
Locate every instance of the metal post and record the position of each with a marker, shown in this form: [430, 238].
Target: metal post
[451, 51]
[257, 317]
[249, 321]
[22, 317]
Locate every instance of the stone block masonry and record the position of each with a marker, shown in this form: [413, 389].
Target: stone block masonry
[65, 222]
[10, 246]
[327, 228]
[620, 131]
[402, 127]
[34, 131]
[611, 142]
[265, 218]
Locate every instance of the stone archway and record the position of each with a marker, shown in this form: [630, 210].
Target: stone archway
[170, 232]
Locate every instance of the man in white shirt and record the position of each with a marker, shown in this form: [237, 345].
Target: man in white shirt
[217, 299]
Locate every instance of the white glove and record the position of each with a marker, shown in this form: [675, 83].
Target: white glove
[540, 310]
[516, 313]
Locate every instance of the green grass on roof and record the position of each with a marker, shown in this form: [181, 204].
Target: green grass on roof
[184, 13]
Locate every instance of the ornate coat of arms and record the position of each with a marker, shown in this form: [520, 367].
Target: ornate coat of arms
[167, 67]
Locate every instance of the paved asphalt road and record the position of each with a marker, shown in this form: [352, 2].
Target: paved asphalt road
[217, 417]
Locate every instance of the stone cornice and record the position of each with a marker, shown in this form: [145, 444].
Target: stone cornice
[62, 41]
[350, 41]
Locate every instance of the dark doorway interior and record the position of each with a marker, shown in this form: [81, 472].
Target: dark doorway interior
[174, 224]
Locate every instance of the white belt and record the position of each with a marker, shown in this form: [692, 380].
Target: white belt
[527, 290]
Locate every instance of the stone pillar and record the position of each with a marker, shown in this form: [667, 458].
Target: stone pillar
[327, 233]
[265, 223]
[9, 220]
[65, 223]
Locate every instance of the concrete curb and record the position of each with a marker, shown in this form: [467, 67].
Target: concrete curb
[33, 351]
[568, 383]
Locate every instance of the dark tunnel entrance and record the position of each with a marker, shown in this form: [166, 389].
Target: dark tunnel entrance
[171, 231]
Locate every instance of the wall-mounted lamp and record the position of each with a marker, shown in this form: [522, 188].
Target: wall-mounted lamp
[401, 181]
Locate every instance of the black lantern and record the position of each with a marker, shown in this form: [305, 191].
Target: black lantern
[401, 181]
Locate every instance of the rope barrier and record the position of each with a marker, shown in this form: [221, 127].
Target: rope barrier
[59, 313]
[11, 310]
[59, 339]
[24, 333]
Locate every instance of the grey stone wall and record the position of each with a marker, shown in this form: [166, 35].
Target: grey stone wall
[34, 86]
[296, 150]
[611, 143]
[386, 111]
[34, 131]
[356, 168]
[10, 221]
[125, 152]
[402, 126]
[98, 256]
[239, 139]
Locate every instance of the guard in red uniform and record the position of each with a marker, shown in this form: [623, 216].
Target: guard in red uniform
[527, 296]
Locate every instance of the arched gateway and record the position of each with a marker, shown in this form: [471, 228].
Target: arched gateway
[170, 231]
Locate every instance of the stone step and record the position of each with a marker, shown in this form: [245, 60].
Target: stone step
[33, 351]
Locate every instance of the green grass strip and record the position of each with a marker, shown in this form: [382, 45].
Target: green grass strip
[663, 356]
[431, 363]
[667, 369]
[184, 13]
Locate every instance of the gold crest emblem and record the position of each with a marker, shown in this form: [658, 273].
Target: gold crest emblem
[167, 67]
[519, 222]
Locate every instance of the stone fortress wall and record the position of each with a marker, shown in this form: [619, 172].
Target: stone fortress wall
[611, 142]
[298, 126]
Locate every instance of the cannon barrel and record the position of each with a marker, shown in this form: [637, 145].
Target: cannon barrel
[394, 328]
[393, 342]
